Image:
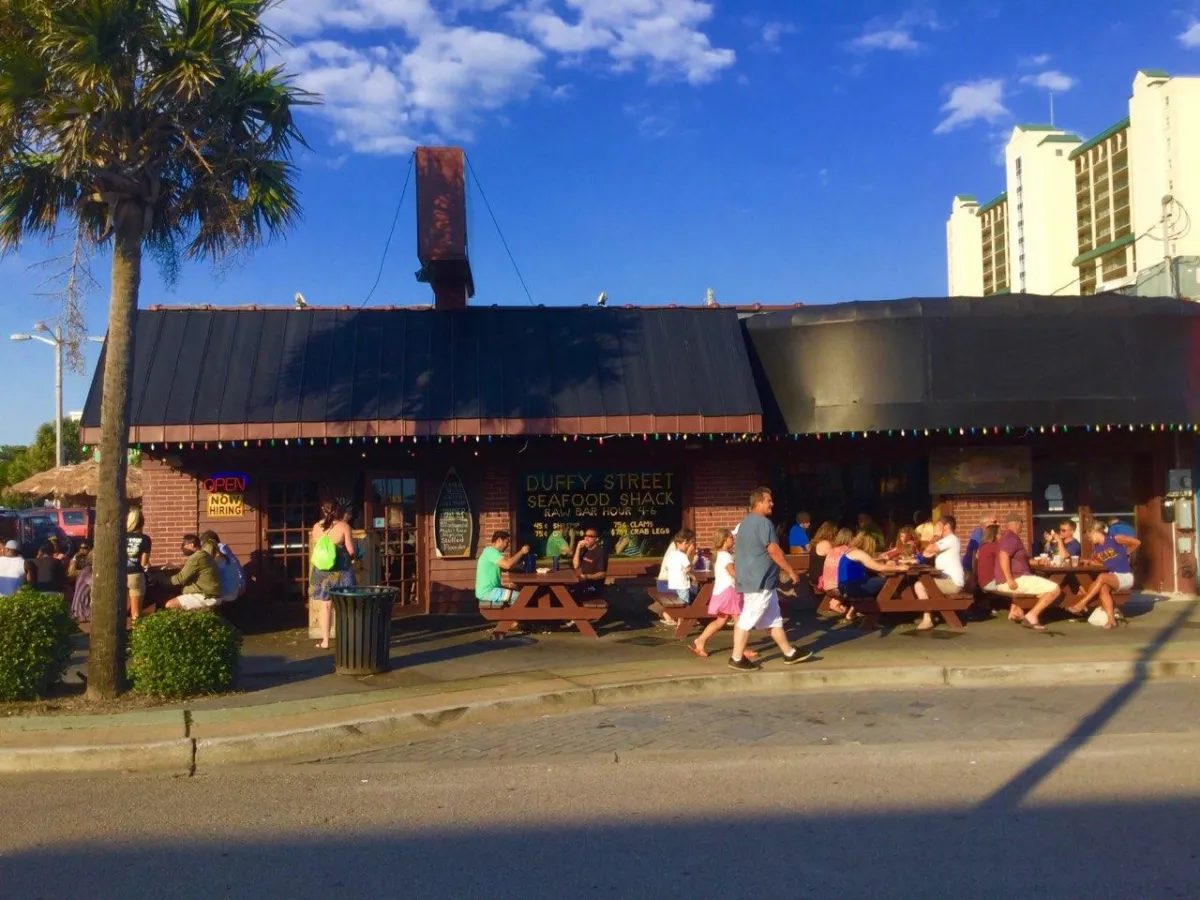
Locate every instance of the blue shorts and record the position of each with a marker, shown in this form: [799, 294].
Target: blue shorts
[496, 598]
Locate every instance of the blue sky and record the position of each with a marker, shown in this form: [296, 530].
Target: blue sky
[775, 151]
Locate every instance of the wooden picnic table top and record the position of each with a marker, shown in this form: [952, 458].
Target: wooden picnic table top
[562, 576]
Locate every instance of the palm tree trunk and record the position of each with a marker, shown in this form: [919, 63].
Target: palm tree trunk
[106, 655]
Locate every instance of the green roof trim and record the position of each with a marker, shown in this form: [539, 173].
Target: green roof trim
[993, 202]
[1035, 127]
[966, 198]
[1153, 73]
[1100, 138]
[1060, 139]
[1103, 249]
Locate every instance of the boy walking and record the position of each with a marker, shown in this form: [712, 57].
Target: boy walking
[757, 560]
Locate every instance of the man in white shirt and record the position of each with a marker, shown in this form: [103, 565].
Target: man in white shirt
[947, 549]
[12, 569]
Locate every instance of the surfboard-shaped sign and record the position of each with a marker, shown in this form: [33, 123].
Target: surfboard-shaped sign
[453, 524]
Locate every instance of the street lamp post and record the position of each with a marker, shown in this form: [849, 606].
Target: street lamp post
[53, 339]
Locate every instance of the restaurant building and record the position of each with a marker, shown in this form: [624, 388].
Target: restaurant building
[437, 426]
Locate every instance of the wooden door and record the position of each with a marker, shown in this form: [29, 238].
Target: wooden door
[392, 510]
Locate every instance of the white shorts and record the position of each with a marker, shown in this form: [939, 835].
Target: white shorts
[1027, 584]
[760, 611]
[1124, 581]
[197, 601]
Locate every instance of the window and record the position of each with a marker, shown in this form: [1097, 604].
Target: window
[392, 515]
[74, 517]
[1058, 153]
[1055, 494]
[291, 510]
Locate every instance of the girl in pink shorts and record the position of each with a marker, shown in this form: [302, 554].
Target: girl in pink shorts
[726, 602]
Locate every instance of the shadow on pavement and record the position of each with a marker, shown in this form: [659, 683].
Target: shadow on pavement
[895, 854]
[1026, 782]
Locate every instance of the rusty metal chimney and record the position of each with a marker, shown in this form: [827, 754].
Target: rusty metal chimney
[442, 226]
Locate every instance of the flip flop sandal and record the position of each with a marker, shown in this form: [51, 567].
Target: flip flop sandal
[1025, 623]
[703, 654]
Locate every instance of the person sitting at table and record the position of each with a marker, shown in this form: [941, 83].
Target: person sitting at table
[984, 565]
[489, 589]
[1013, 576]
[1061, 544]
[905, 544]
[946, 553]
[820, 544]
[854, 582]
[591, 562]
[839, 544]
[975, 541]
[559, 542]
[199, 579]
[797, 536]
[675, 574]
[866, 522]
[1113, 552]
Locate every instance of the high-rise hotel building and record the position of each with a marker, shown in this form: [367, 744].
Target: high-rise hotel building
[1089, 216]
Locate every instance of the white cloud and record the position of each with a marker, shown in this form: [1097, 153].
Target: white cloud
[663, 35]
[981, 100]
[773, 33]
[895, 34]
[397, 72]
[1036, 61]
[1051, 80]
[1190, 38]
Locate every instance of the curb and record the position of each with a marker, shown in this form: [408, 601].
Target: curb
[187, 755]
[176, 756]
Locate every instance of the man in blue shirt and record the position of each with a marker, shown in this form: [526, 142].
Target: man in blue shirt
[757, 561]
[1118, 528]
[1062, 543]
[798, 536]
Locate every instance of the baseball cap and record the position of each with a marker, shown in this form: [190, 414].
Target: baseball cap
[12, 545]
[1014, 517]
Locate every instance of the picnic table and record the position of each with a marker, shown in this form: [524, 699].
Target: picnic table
[898, 595]
[687, 615]
[546, 597]
[1075, 580]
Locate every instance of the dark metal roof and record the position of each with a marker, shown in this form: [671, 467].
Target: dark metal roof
[1016, 359]
[213, 374]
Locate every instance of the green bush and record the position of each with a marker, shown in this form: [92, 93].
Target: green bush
[178, 654]
[35, 643]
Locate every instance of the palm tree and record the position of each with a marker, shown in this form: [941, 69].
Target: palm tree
[154, 125]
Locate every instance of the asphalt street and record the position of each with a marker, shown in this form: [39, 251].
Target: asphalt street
[1067, 792]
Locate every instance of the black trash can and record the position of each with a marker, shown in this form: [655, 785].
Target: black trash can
[363, 624]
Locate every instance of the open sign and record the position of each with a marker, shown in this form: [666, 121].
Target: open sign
[228, 483]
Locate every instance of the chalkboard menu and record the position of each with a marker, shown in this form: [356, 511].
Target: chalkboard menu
[635, 511]
[453, 524]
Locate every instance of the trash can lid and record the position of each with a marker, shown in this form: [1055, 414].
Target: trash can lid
[366, 592]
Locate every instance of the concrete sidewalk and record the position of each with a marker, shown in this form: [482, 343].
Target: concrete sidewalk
[293, 706]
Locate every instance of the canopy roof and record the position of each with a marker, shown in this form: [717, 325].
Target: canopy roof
[963, 362]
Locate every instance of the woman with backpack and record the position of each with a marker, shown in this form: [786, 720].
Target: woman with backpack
[332, 553]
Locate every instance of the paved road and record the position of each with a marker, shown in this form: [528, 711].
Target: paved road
[939, 794]
[816, 719]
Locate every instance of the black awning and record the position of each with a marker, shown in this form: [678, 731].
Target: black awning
[213, 373]
[962, 362]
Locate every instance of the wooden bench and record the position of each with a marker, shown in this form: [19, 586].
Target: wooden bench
[686, 615]
[1026, 602]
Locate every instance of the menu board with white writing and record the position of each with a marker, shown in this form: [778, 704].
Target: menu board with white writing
[636, 512]
[453, 524]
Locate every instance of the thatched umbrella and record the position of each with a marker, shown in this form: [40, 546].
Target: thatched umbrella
[74, 484]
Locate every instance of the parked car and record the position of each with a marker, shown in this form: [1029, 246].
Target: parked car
[40, 524]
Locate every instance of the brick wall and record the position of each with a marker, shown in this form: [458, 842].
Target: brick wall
[720, 492]
[170, 505]
[495, 511]
[970, 512]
